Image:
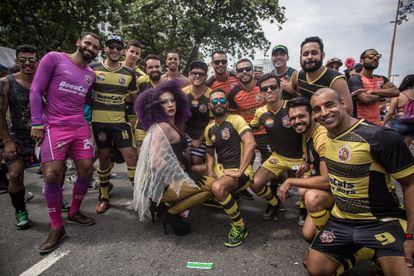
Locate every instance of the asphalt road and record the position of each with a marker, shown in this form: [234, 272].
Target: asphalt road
[118, 244]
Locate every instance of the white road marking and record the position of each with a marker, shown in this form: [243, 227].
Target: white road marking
[45, 263]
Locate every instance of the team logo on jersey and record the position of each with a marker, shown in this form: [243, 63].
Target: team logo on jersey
[213, 138]
[286, 121]
[121, 80]
[88, 79]
[60, 145]
[259, 98]
[273, 161]
[344, 153]
[202, 108]
[102, 136]
[225, 133]
[327, 236]
[269, 122]
[101, 76]
[194, 103]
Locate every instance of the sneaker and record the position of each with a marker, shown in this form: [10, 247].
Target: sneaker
[80, 219]
[271, 212]
[65, 207]
[302, 216]
[93, 185]
[28, 196]
[236, 236]
[245, 194]
[23, 221]
[52, 241]
[212, 203]
[282, 207]
[72, 178]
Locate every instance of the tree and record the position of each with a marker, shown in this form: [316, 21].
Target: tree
[192, 27]
[53, 24]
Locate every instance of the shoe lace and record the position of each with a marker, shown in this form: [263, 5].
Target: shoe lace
[235, 231]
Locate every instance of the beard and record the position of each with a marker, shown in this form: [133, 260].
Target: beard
[315, 67]
[155, 76]
[219, 113]
[86, 55]
[369, 66]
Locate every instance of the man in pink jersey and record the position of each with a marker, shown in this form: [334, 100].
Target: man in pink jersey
[60, 89]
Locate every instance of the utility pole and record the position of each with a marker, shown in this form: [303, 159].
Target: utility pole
[403, 8]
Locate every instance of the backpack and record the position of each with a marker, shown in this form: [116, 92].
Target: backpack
[408, 115]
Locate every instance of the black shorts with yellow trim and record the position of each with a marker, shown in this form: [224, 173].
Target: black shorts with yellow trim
[244, 181]
[341, 239]
[279, 164]
[118, 133]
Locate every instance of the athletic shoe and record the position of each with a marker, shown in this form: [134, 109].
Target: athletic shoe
[23, 221]
[282, 207]
[212, 203]
[93, 185]
[245, 194]
[72, 178]
[236, 236]
[270, 212]
[28, 196]
[302, 216]
[52, 241]
[80, 219]
[65, 207]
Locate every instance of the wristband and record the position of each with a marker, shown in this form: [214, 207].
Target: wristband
[409, 236]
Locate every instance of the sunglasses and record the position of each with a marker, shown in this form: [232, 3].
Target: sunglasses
[372, 56]
[245, 69]
[216, 101]
[23, 60]
[222, 61]
[197, 74]
[265, 89]
[168, 101]
[118, 47]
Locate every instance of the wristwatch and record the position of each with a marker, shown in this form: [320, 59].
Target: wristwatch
[409, 236]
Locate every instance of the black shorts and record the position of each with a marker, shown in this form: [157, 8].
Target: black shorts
[25, 152]
[340, 239]
[119, 133]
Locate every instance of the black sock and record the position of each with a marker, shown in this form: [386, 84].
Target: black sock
[18, 200]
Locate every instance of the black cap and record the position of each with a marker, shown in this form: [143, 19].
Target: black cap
[280, 48]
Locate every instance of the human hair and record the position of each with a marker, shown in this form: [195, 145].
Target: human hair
[133, 42]
[311, 39]
[364, 52]
[198, 64]
[221, 52]
[90, 34]
[172, 52]
[268, 76]
[299, 101]
[150, 111]
[244, 60]
[151, 56]
[26, 48]
[407, 83]
[217, 91]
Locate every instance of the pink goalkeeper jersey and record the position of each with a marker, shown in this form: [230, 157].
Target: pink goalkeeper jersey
[65, 86]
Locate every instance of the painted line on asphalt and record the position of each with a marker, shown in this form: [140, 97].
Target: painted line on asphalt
[45, 263]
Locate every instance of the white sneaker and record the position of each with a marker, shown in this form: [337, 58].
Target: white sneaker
[28, 196]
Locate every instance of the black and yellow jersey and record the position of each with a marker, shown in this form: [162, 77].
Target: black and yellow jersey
[144, 83]
[325, 79]
[361, 162]
[226, 139]
[111, 88]
[200, 112]
[315, 147]
[283, 138]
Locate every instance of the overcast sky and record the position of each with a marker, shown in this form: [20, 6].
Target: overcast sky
[347, 27]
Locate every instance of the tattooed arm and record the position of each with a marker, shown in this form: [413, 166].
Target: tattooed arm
[10, 151]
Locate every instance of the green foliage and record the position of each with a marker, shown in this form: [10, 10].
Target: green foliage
[52, 24]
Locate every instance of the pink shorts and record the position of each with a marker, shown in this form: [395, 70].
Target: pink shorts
[62, 140]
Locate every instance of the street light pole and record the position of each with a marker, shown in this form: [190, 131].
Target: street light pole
[393, 40]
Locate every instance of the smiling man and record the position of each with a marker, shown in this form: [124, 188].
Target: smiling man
[314, 75]
[367, 212]
[172, 60]
[223, 78]
[368, 89]
[280, 57]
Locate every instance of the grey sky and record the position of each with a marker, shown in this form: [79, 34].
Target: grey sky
[347, 28]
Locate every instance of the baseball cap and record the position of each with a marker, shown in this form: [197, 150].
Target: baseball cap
[281, 48]
[334, 60]
[113, 38]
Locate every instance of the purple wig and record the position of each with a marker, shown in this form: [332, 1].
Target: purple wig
[149, 110]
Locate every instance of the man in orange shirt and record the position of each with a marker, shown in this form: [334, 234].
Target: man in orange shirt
[368, 89]
[222, 79]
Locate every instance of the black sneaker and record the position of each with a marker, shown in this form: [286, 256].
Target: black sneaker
[270, 212]
[236, 236]
[302, 216]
